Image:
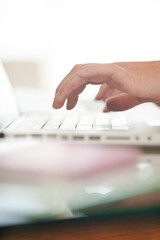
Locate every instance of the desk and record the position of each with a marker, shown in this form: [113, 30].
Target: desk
[128, 227]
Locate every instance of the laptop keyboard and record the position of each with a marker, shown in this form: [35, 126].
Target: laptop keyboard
[85, 123]
[46, 122]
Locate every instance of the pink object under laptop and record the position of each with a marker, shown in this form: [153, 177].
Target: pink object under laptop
[63, 160]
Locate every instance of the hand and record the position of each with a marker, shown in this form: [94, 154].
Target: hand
[105, 93]
[127, 84]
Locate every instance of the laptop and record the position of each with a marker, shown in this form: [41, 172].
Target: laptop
[139, 126]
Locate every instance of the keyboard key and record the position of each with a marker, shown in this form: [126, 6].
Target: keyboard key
[86, 120]
[102, 128]
[85, 123]
[69, 123]
[40, 123]
[84, 127]
[53, 123]
[28, 123]
[17, 123]
[102, 119]
[117, 121]
[102, 122]
[120, 128]
[153, 122]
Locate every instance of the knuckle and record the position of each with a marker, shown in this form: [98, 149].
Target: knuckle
[93, 69]
[77, 67]
[89, 66]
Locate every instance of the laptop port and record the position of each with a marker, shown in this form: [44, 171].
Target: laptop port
[19, 136]
[53, 136]
[78, 137]
[64, 137]
[36, 135]
[118, 138]
[94, 137]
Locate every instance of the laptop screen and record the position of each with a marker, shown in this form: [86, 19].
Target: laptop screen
[8, 105]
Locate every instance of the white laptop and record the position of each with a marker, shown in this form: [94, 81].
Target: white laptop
[139, 126]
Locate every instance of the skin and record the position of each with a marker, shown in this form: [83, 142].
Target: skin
[123, 85]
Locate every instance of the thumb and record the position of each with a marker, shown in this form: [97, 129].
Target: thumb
[123, 102]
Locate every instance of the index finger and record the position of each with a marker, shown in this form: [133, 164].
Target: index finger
[96, 74]
[68, 85]
[66, 90]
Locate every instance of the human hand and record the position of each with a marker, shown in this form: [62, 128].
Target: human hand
[105, 93]
[127, 84]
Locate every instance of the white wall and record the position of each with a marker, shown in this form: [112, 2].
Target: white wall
[66, 32]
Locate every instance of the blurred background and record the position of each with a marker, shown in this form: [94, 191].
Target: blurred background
[41, 40]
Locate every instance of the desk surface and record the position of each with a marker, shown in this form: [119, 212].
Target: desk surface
[136, 226]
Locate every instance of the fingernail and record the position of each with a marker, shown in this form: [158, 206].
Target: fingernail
[56, 104]
[106, 109]
[97, 97]
[106, 102]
